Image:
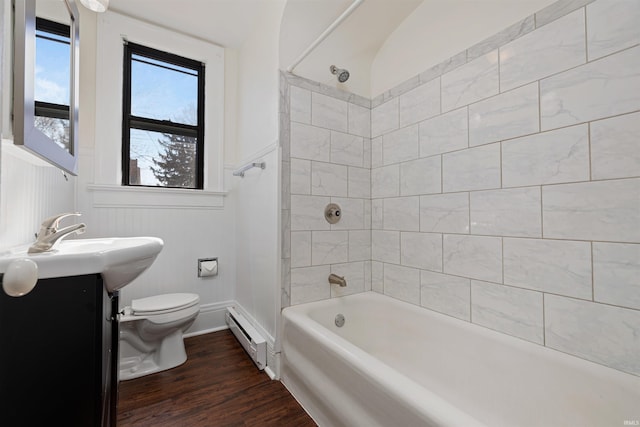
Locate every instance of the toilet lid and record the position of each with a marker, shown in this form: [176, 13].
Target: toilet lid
[163, 303]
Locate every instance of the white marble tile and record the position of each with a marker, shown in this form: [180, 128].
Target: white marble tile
[376, 152]
[443, 67]
[599, 210]
[422, 176]
[359, 182]
[385, 181]
[366, 153]
[377, 277]
[310, 142]
[402, 213]
[616, 274]
[310, 284]
[555, 266]
[557, 10]
[328, 112]
[352, 217]
[551, 157]
[385, 117]
[445, 213]
[300, 103]
[600, 333]
[612, 25]
[328, 179]
[359, 120]
[300, 176]
[615, 147]
[377, 214]
[444, 133]
[517, 312]
[285, 233]
[300, 249]
[446, 294]
[385, 246]
[508, 212]
[421, 250]
[473, 169]
[400, 145]
[367, 275]
[329, 247]
[420, 103]
[504, 116]
[347, 149]
[510, 33]
[471, 82]
[359, 245]
[367, 214]
[555, 47]
[307, 213]
[285, 184]
[402, 283]
[476, 257]
[602, 88]
[354, 274]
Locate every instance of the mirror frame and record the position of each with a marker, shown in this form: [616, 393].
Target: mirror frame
[25, 133]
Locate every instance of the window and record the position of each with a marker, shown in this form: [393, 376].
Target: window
[52, 80]
[163, 119]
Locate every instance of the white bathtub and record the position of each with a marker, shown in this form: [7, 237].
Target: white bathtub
[395, 364]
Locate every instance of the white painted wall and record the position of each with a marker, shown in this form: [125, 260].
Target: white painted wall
[439, 29]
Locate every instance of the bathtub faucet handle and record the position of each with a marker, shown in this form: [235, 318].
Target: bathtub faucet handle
[337, 280]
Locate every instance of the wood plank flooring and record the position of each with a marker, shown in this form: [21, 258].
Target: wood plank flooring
[217, 386]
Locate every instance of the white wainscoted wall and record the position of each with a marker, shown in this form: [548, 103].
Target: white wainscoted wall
[505, 184]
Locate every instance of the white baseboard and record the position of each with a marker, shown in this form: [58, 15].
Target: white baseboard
[210, 319]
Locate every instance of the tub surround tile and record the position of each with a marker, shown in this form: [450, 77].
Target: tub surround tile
[376, 152]
[555, 266]
[548, 50]
[347, 149]
[509, 212]
[421, 250]
[420, 103]
[385, 118]
[559, 156]
[359, 245]
[616, 274]
[558, 10]
[300, 248]
[601, 333]
[402, 283]
[310, 142]
[300, 176]
[300, 105]
[402, 214]
[366, 153]
[471, 82]
[446, 294]
[400, 145]
[310, 284]
[328, 179]
[285, 185]
[504, 116]
[612, 25]
[385, 246]
[354, 274]
[422, 176]
[444, 67]
[513, 32]
[377, 277]
[286, 233]
[324, 89]
[307, 213]
[377, 214]
[514, 311]
[599, 89]
[328, 112]
[285, 276]
[445, 213]
[396, 91]
[599, 210]
[359, 122]
[367, 275]
[385, 181]
[473, 169]
[352, 214]
[359, 182]
[444, 133]
[329, 247]
[615, 147]
[476, 257]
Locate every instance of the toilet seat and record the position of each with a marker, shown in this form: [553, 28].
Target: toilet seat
[163, 304]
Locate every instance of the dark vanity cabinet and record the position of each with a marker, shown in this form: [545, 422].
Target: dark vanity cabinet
[58, 354]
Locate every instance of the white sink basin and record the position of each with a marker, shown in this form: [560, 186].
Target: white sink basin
[119, 260]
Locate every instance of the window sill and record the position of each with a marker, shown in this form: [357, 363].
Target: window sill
[114, 196]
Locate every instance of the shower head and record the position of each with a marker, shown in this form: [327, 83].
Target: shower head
[343, 75]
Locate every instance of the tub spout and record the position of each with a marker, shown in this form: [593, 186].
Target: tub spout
[337, 280]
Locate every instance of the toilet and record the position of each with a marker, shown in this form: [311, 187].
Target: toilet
[151, 333]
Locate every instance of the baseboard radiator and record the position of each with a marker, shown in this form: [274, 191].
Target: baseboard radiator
[248, 337]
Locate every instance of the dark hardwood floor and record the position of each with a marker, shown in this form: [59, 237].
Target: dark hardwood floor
[218, 386]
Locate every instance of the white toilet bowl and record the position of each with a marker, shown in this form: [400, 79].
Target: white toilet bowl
[151, 333]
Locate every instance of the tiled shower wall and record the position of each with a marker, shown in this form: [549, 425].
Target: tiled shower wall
[505, 185]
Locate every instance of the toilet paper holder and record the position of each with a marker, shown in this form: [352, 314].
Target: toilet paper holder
[207, 267]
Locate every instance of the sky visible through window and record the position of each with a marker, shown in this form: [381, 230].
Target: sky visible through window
[52, 69]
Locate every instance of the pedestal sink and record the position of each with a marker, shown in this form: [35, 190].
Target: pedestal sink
[119, 259]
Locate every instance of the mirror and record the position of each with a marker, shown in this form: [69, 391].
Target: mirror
[45, 80]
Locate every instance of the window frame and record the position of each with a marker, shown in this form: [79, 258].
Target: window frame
[130, 121]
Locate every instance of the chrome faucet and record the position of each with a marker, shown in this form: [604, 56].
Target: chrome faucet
[49, 233]
[337, 280]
